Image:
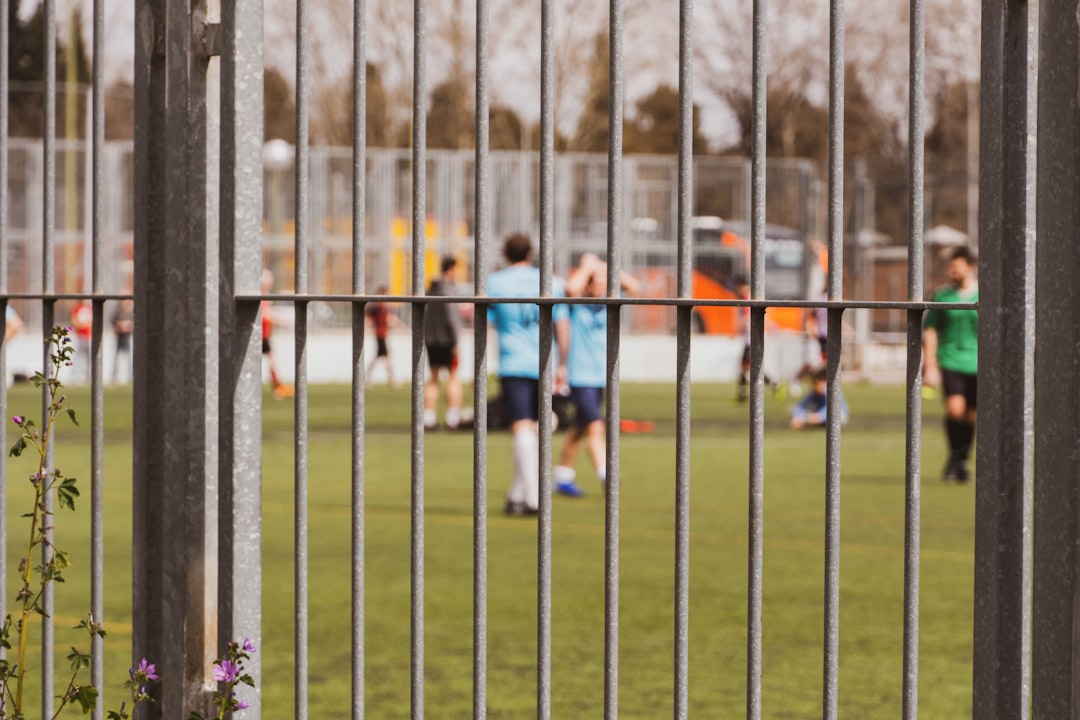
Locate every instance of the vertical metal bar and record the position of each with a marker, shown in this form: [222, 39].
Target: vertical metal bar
[303, 50]
[682, 362]
[5, 44]
[48, 285]
[359, 249]
[1057, 425]
[480, 507]
[358, 504]
[543, 598]
[547, 211]
[418, 528]
[97, 502]
[913, 470]
[614, 269]
[611, 515]
[419, 206]
[482, 200]
[97, 489]
[240, 527]
[682, 513]
[148, 467]
[756, 521]
[831, 664]
[755, 552]
[1002, 674]
[47, 603]
[300, 500]
[831, 639]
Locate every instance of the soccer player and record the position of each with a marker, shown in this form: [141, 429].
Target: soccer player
[281, 389]
[812, 409]
[951, 357]
[441, 323]
[587, 371]
[518, 328]
[380, 319]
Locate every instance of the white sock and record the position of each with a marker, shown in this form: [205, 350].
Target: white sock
[526, 485]
[453, 417]
[565, 474]
[429, 418]
[601, 473]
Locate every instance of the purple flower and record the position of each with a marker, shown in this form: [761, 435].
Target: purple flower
[226, 672]
[144, 671]
[241, 705]
[248, 646]
[18, 420]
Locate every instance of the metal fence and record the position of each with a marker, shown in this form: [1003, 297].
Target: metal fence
[197, 211]
[650, 209]
[721, 189]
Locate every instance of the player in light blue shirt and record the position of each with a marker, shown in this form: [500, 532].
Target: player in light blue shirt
[587, 370]
[518, 328]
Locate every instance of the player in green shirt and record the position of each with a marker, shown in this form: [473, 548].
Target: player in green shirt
[951, 357]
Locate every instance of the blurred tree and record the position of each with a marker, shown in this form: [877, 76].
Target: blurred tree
[505, 129]
[950, 109]
[654, 127]
[591, 134]
[26, 55]
[794, 127]
[279, 107]
[120, 111]
[334, 122]
[451, 123]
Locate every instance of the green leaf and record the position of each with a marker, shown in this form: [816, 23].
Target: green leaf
[113, 715]
[71, 414]
[79, 661]
[86, 695]
[17, 448]
[39, 379]
[246, 679]
[195, 716]
[67, 492]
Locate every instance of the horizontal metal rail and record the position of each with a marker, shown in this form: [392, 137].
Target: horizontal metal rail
[666, 302]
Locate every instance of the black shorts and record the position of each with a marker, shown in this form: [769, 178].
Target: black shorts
[382, 350]
[586, 405]
[519, 396]
[442, 356]
[958, 383]
[266, 346]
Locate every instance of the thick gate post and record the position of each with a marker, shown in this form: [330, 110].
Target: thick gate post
[1056, 655]
[175, 547]
[240, 577]
[1003, 512]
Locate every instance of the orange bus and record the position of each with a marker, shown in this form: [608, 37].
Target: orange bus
[793, 271]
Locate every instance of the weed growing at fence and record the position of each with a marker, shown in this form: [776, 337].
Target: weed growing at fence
[138, 677]
[229, 672]
[43, 563]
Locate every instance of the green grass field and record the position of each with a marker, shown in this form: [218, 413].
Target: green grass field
[872, 541]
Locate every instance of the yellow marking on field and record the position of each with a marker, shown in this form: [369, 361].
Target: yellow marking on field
[111, 628]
